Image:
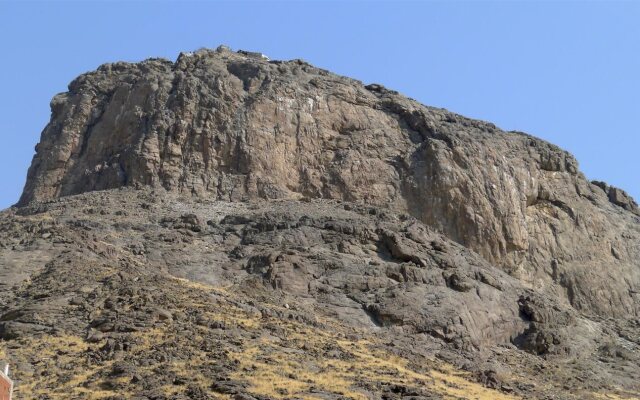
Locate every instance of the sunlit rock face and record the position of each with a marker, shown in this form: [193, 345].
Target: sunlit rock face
[231, 126]
[226, 226]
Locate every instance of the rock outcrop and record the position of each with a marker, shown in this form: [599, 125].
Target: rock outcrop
[148, 294]
[229, 126]
[287, 199]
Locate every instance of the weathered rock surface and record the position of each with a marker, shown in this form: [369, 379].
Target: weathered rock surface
[146, 294]
[355, 234]
[228, 126]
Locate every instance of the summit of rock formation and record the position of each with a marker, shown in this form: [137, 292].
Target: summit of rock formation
[227, 226]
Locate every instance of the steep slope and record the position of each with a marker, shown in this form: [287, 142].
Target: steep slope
[296, 234]
[224, 125]
[146, 295]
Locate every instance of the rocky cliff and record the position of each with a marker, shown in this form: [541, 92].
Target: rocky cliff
[422, 230]
[222, 125]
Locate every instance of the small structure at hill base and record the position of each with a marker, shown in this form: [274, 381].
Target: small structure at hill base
[6, 384]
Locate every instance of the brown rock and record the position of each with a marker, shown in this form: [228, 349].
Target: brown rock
[336, 213]
[222, 125]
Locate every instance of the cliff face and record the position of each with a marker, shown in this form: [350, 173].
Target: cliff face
[226, 126]
[228, 227]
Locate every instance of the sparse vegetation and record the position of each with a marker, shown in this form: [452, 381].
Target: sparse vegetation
[106, 318]
[289, 365]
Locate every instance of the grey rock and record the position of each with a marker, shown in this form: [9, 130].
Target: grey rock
[373, 218]
[231, 126]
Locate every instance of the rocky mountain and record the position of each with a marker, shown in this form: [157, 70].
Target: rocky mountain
[226, 226]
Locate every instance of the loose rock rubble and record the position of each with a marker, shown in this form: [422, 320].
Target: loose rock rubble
[267, 299]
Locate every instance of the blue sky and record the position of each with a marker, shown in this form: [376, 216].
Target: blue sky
[568, 72]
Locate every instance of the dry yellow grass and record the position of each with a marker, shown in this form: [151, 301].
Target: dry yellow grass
[51, 352]
[611, 396]
[223, 290]
[285, 370]
[282, 367]
[281, 372]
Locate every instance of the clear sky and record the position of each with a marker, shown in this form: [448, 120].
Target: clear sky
[568, 72]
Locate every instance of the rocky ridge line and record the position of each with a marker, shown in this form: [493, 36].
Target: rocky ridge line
[236, 126]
